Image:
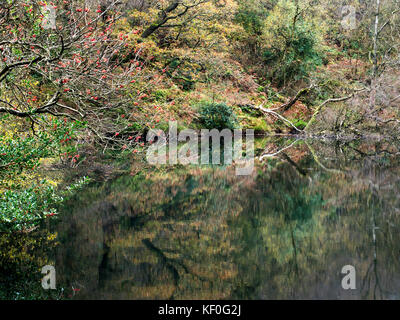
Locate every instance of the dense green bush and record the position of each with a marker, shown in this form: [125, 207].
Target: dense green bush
[23, 209]
[23, 153]
[217, 116]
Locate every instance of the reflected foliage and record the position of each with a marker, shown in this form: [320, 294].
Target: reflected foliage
[283, 232]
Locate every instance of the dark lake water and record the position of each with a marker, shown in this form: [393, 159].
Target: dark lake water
[191, 232]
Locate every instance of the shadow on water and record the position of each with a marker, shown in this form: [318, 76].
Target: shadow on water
[283, 232]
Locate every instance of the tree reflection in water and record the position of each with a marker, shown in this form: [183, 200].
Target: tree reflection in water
[284, 232]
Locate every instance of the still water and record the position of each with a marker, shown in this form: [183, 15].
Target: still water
[190, 232]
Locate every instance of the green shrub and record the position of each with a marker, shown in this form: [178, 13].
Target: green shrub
[217, 116]
[22, 154]
[23, 209]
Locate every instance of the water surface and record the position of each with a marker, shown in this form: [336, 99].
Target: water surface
[190, 232]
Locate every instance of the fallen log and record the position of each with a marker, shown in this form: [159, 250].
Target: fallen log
[277, 115]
